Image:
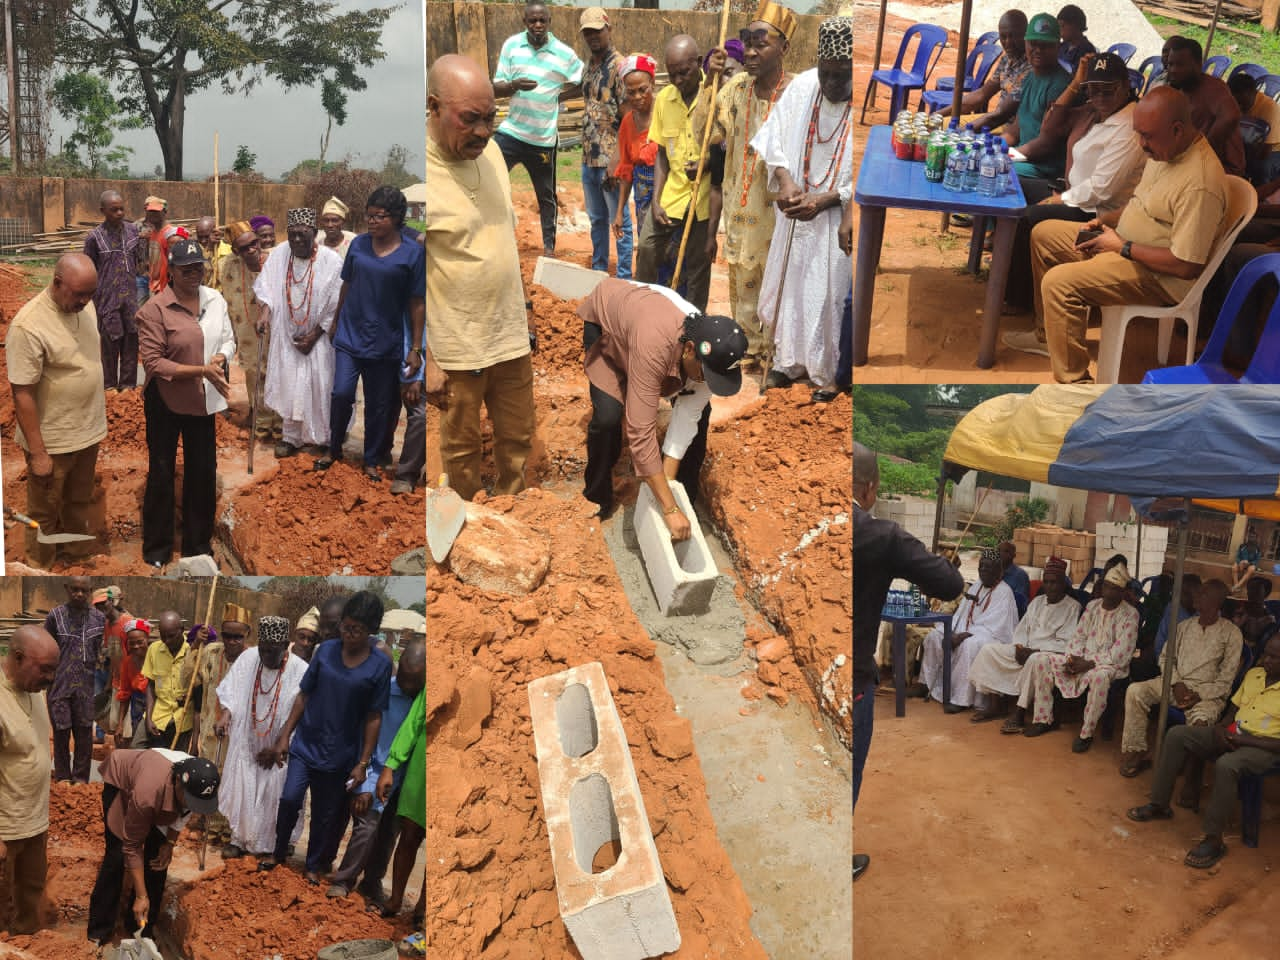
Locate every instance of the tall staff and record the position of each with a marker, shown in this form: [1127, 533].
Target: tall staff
[195, 674]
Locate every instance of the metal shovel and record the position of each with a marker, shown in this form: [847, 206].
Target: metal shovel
[43, 537]
[204, 826]
[446, 513]
[139, 948]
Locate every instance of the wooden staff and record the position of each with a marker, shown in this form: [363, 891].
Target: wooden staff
[217, 207]
[195, 674]
[692, 210]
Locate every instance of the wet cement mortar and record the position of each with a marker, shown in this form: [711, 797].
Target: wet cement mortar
[228, 911]
[283, 519]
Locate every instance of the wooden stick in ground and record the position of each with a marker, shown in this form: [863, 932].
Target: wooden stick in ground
[692, 211]
[181, 716]
[217, 207]
[771, 331]
[978, 506]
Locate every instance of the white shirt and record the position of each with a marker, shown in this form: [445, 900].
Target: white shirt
[215, 324]
[1106, 164]
[688, 404]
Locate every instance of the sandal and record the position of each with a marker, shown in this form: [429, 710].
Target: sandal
[1205, 854]
[323, 463]
[414, 945]
[1135, 765]
[985, 716]
[373, 473]
[1012, 725]
[1149, 811]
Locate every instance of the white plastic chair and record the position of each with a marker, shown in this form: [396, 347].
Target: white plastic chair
[1242, 201]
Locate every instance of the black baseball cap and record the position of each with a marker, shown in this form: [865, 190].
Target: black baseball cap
[719, 344]
[199, 779]
[182, 253]
[1107, 68]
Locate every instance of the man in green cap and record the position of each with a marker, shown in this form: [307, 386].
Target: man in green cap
[1046, 156]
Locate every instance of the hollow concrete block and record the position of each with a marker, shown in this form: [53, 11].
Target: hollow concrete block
[590, 797]
[568, 281]
[683, 575]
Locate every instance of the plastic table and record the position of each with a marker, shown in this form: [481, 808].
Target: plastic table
[900, 655]
[885, 181]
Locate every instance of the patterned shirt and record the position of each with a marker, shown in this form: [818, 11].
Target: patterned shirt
[533, 114]
[115, 253]
[604, 94]
[1011, 71]
[79, 637]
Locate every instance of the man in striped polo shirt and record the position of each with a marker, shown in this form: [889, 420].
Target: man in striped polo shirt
[533, 69]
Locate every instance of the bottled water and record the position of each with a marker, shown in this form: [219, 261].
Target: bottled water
[957, 164]
[1004, 171]
[973, 157]
[988, 174]
[917, 601]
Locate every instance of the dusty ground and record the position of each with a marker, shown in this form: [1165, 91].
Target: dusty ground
[282, 519]
[927, 311]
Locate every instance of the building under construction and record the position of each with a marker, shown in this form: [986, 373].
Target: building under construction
[30, 29]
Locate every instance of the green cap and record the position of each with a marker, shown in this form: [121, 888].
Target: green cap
[1044, 28]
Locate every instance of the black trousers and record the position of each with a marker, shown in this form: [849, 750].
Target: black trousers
[604, 442]
[64, 766]
[199, 480]
[104, 902]
[540, 162]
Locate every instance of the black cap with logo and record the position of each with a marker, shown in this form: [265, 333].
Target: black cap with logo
[185, 252]
[1107, 68]
[719, 344]
[199, 779]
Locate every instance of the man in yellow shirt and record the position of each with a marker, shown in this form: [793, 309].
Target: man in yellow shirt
[1262, 157]
[168, 671]
[1245, 741]
[678, 148]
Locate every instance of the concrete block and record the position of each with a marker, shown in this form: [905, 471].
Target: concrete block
[590, 798]
[683, 575]
[568, 281]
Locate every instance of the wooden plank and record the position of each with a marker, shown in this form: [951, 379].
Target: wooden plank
[1193, 21]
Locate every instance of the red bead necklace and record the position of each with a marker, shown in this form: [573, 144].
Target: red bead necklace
[290, 280]
[815, 134]
[748, 152]
[262, 732]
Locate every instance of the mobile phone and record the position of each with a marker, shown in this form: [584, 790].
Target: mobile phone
[1084, 236]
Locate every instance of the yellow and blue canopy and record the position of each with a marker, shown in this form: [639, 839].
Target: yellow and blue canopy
[1218, 445]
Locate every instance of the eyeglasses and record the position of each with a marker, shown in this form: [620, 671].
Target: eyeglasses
[755, 38]
[245, 248]
[353, 630]
[377, 217]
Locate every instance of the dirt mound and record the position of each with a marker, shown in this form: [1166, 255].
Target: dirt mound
[490, 884]
[353, 525]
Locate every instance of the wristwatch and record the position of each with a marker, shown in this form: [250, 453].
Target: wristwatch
[1126, 250]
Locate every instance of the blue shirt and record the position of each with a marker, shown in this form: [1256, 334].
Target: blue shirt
[375, 312]
[330, 734]
[398, 705]
[1020, 584]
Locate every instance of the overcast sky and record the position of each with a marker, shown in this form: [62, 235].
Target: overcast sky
[285, 128]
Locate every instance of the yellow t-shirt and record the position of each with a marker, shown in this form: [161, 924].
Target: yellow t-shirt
[167, 671]
[60, 354]
[475, 302]
[671, 127]
[24, 763]
[1258, 705]
[1181, 205]
[1264, 108]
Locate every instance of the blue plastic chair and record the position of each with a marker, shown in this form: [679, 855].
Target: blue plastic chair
[1257, 71]
[1208, 367]
[977, 68]
[1152, 69]
[1273, 608]
[991, 36]
[1270, 85]
[901, 82]
[1216, 66]
[1136, 80]
[1249, 790]
[1124, 51]
[1066, 66]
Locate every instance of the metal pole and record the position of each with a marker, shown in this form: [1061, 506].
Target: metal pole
[1171, 644]
[12, 69]
[937, 511]
[1137, 556]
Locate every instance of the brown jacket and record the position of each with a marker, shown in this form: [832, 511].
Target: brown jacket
[147, 800]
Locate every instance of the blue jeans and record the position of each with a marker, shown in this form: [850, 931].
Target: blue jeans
[381, 380]
[602, 207]
[864, 715]
[329, 800]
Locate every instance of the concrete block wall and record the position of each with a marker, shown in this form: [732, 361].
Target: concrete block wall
[590, 797]
[914, 514]
[1123, 538]
[683, 575]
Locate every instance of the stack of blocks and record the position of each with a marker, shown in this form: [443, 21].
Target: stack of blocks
[1123, 538]
[683, 574]
[590, 797]
[1036, 544]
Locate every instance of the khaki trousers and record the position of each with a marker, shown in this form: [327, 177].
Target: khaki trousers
[506, 391]
[1140, 697]
[1069, 285]
[62, 503]
[744, 304]
[22, 879]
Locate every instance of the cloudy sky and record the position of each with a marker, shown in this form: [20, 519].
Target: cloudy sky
[285, 128]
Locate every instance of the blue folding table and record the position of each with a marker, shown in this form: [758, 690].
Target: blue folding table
[885, 181]
[900, 623]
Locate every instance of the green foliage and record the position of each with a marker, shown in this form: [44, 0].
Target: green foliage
[395, 171]
[1260, 46]
[915, 479]
[1024, 513]
[245, 160]
[86, 100]
[300, 594]
[159, 52]
[351, 185]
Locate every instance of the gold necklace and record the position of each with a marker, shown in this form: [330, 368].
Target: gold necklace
[472, 192]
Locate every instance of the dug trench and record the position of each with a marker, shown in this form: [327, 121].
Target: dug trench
[282, 519]
[737, 719]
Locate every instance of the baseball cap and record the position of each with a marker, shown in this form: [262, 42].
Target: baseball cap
[1107, 68]
[719, 344]
[1043, 27]
[593, 18]
[199, 779]
[185, 252]
[155, 203]
[100, 595]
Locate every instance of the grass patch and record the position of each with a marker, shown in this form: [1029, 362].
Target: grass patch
[1260, 47]
[568, 169]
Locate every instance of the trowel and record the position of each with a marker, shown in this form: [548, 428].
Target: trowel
[43, 537]
[446, 513]
[139, 948]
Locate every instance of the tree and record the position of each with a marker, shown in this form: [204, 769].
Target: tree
[162, 51]
[86, 101]
[395, 171]
[245, 160]
[300, 594]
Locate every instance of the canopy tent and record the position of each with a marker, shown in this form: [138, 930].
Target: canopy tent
[404, 620]
[1218, 448]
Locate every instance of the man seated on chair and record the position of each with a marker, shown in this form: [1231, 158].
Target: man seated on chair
[1252, 617]
[998, 670]
[1245, 741]
[1099, 651]
[1262, 155]
[1045, 150]
[987, 614]
[1150, 252]
[1214, 112]
[1204, 668]
[1015, 576]
[1006, 79]
[1248, 555]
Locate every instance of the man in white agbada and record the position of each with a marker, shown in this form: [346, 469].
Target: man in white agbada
[987, 614]
[298, 289]
[807, 147]
[998, 673]
[256, 696]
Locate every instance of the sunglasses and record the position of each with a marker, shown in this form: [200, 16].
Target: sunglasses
[233, 636]
[756, 38]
